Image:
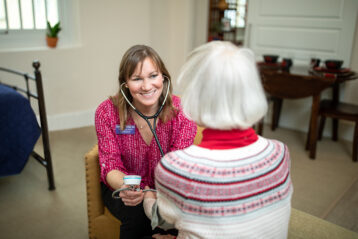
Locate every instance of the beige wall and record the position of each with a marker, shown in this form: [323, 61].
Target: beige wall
[78, 78]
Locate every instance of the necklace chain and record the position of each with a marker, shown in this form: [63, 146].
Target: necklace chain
[138, 123]
[137, 120]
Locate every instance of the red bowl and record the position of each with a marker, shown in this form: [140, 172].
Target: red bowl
[333, 64]
[270, 58]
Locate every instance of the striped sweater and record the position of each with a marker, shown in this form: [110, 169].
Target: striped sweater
[242, 192]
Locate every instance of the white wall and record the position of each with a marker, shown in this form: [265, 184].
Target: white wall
[178, 26]
[351, 88]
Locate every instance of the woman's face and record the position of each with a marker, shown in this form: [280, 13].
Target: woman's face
[146, 86]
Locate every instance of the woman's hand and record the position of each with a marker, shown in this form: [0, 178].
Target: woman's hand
[131, 197]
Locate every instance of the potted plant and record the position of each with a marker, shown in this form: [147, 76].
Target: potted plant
[51, 35]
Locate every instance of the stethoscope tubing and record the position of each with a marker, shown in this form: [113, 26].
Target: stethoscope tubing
[116, 192]
[155, 116]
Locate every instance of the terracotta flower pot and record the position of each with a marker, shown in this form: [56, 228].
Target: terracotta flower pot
[52, 41]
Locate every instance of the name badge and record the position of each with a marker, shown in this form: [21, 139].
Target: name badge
[130, 129]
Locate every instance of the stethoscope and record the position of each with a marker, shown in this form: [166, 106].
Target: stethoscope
[152, 128]
[115, 193]
[147, 118]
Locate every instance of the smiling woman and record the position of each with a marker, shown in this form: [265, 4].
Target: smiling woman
[126, 124]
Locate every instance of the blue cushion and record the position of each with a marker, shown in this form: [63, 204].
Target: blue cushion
[19, 131]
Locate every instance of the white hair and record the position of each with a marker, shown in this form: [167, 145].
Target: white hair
[221, 87]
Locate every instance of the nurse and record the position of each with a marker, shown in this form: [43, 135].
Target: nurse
[126, 143]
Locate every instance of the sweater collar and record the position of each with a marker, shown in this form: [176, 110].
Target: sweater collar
[227, 139]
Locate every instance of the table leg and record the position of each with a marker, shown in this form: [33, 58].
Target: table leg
[334, 129]
[309, 133]
[277, 105]
[260, 127]
[313, 126]
[321, 127]
[335, 99]
[355, 143]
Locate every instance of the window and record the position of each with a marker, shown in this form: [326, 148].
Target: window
[32, 34]
[27, 14]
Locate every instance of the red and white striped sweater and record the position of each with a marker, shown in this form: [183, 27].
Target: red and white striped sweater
[234, 185]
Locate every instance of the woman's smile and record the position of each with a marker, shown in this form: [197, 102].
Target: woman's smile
[149, 94]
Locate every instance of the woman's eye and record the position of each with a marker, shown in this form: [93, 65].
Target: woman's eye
[136, 79]
[154, 76]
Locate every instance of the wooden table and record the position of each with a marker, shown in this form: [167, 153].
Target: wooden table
[300, 82]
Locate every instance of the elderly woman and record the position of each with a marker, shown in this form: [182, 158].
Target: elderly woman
[235, 184]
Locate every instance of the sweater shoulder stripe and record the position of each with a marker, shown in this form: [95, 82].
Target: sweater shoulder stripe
[194, 188]
[202, 170]
[189, 177]
[232, 198]
[231, 209]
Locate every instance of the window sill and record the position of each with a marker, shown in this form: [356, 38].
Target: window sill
[40, 48]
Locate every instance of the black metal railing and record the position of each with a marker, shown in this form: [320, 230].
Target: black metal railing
[45, 160]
